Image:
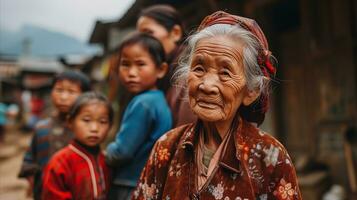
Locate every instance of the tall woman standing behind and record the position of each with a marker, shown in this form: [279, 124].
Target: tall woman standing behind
[164, 23]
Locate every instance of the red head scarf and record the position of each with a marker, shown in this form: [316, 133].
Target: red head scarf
[221, 17]
[264, 55]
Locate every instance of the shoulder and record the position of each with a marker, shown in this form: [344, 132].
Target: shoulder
[149, 101]
[150, 97]
[166, 146]
[63, 153]
[262, 143]
[60, 158]
[42, 129]
[43, 124]
[172, 138]
[256, 135]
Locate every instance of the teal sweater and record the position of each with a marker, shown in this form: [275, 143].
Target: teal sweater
[145, 120]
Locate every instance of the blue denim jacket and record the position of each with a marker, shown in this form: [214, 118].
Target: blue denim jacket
[145, 120]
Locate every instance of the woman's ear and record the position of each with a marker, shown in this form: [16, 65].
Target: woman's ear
[162, 70]
[251, 96]
[176, 33]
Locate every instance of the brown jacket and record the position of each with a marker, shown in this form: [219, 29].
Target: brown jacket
[175, 96]
[180, 108]
[252, 166]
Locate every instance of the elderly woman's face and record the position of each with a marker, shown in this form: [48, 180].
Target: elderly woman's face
[216, 81]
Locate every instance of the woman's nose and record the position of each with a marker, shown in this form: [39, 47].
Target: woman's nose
[209, 84]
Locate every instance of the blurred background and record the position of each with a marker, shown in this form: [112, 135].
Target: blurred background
[314, 107]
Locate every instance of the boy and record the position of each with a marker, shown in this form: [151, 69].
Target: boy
[51, 134]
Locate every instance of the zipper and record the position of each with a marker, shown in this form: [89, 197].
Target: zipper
[99, 170]
[91, 169]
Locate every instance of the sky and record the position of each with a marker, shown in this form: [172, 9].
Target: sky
[72, 17]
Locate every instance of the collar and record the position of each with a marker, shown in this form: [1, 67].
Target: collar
[231, 155]
[190, 136]
[86, 149]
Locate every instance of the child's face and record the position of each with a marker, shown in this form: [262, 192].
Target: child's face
[64, 93]
[137, 70]
[91, 125]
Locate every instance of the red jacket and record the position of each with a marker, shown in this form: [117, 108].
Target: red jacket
[75, 173]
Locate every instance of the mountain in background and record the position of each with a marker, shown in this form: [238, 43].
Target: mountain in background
[41, 42]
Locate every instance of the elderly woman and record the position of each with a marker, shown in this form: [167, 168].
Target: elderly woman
[223, 155]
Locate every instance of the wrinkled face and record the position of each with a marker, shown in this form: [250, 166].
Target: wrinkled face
[91, 125]
[216, 81]
[137, 70]
[64, 93]
[151, 27]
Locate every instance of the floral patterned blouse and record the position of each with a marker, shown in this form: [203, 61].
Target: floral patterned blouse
[253, 165]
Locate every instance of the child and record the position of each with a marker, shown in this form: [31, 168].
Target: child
[50, 134]
[147, 116]
[78, 171]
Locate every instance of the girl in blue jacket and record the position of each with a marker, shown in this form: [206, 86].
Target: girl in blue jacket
[147, 116]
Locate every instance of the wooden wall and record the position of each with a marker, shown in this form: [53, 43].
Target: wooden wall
[318, 96]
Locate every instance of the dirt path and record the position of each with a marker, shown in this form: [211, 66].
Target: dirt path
[11, 155]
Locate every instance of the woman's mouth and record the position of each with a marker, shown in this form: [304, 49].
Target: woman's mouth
[209, 102]
[208, 105]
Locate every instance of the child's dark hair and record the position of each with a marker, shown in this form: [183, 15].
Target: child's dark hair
[165, 15]
[87, 98]
[74, 76]
[148, 42]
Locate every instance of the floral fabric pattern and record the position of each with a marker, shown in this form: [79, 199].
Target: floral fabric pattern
[252, 166]
[284, 190]
[163, 154]
[216, 191]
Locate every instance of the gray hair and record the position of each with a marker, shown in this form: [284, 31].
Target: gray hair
[253, 74]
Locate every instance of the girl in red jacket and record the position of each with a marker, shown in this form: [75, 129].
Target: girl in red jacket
[78, 171]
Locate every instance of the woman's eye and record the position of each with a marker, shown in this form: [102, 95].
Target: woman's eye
[226, 73]
[198, 68]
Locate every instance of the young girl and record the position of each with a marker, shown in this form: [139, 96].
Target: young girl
[147, 116]
[78, 171]
[51, 134]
